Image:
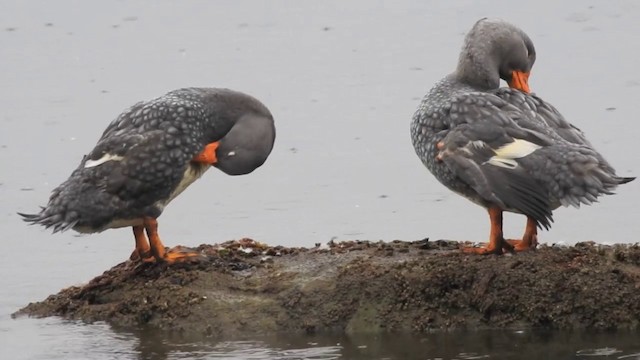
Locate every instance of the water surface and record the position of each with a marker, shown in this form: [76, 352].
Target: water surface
[342, 80]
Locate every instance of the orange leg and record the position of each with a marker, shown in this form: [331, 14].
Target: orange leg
[208, 155]
[529, 239]
[178, 254]
[143, 250]
[496, 240]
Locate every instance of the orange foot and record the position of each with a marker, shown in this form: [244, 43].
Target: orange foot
[208, 155]
[529, 239]
[144, 257]
[150, 248]
[521, 245]
[482, 250]
[180, 254]
[508, 246]
[176, 255]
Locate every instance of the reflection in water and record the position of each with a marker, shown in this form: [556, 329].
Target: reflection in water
[156, 345]
[512, 344]
[53, 338]
[57, 339]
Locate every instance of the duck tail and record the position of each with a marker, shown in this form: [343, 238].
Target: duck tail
[624, 180]
[51, 219]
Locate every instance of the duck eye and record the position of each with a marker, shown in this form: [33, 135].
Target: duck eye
[530, 52]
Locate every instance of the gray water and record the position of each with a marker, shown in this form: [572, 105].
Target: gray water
[342, 79]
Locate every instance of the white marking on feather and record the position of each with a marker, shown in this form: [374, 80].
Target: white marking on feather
[478, 144]
[516, 149]
[231, 153]
[505, 163]
[106, 157]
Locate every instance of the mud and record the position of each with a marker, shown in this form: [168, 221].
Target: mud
[247, 288]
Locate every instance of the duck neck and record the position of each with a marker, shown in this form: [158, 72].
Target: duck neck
[477, 68]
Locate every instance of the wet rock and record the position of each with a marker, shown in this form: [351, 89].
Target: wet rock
[246, 287]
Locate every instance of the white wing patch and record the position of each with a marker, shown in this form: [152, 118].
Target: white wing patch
[478, 144]
[106, 157]
[505, 163]
[517, 149]
[505, 155]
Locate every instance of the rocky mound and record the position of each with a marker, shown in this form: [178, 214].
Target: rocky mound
[245, 287]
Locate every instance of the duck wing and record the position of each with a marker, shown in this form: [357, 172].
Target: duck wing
[139, 167]
[518, 152]
[143, 154]
[540, 113]
[483, 152]
[581, 173]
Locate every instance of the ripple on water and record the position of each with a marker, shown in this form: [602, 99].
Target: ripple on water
[606, 351]
[635, 356]
[254, 350]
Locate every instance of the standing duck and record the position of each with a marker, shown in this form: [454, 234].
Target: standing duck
[505, 148]
[150, 154]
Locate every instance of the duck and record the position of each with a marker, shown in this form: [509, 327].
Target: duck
[149, 155]
[504, 148]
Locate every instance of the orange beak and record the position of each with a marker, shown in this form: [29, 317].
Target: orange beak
[520, 81]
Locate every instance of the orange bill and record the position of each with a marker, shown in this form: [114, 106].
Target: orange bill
[208, 155]
[520, 81]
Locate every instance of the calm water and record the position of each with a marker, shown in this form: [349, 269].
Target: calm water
[343, 80]
[99, 341]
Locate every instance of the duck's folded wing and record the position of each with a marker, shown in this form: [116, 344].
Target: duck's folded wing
[484, 153]
[141, 167]
[542, 116]
[123, 177]
[127, 122]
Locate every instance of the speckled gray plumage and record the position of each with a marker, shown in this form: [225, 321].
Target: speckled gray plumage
[473, 118]
[157, 140]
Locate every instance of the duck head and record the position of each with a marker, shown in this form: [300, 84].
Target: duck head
[493, 50]
[247, 145]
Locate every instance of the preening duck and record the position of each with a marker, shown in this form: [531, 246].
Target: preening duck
[505, 148]
[150, 154]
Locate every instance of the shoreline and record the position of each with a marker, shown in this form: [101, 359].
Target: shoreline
[249, 288]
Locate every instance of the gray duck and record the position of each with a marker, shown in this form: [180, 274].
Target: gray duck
[150, 154]
[506, 149]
